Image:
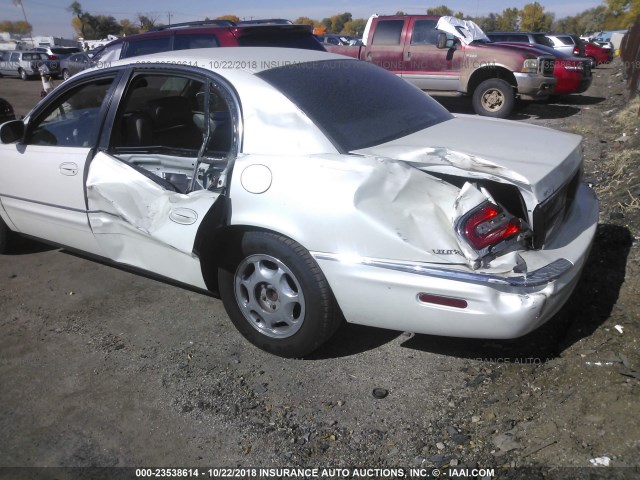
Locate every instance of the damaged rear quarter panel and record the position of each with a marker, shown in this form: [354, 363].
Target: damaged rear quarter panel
[353, 206]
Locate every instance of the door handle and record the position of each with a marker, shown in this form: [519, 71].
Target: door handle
[183, 216]
[69, 169]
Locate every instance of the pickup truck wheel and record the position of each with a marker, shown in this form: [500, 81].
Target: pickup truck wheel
[23, 74]
[277, 296]
[494, 98]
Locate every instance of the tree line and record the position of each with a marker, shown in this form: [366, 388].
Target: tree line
[612, 15]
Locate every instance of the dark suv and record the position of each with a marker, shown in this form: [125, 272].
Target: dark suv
[207, 34]
[520, 37]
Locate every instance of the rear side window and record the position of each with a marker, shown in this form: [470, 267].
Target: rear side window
[388, 32]
[566, 40]
[199, 40]
[543, 40]
[147, 46]
[303, 40]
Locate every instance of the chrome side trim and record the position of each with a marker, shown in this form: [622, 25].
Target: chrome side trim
[537, 278]
[46, 204]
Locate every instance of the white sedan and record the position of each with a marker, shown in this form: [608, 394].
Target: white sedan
[303, 188]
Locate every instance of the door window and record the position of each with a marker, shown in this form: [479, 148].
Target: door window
[160, 128]
[72, 120]
[424, 33]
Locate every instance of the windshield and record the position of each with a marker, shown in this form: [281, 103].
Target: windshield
[356, 104]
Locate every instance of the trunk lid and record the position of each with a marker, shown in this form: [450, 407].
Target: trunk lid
[536, 159]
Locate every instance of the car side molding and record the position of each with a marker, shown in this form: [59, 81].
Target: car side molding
[537, 278]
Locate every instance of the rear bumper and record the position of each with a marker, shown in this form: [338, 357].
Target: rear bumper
[385, 293]
[534, 87]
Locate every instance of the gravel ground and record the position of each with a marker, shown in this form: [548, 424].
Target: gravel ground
[99, 367]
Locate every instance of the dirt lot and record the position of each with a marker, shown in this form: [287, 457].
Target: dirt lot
[99, 367]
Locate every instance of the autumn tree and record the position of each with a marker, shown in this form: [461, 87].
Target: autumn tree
[147, 22]
[589, 21]
[621, 13]
[354, 27]
[441, 10]
[80, 20]
[231, 18]
[91, 27]
[508, 20]
[444, 11]
[338, 21]
[488, 23]
[128, 28]
[306, 21]
[20, 27]
[533, 18]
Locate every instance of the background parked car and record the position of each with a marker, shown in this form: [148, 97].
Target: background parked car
[58, 53]
[534, 38]
[597, 53]
[573, 73]
[75, 63]
[567, 43]
[210, 33]
[25, 64]
[6, 111]
[336, 39]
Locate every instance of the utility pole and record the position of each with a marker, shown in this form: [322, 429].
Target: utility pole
[24, 14]
[169, 15]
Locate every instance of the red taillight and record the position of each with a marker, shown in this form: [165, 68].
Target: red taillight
[53, 57]
[440, 300]
[576, 50]
[488, 226]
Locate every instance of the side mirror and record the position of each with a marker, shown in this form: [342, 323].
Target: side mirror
[12, 132]
[444, 42]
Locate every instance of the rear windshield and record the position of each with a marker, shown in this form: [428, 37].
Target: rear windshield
[64, 50]
[356, 104]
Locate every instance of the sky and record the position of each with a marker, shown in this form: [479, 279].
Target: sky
[51, 17]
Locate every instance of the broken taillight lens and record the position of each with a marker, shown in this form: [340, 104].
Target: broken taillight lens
[489, 225]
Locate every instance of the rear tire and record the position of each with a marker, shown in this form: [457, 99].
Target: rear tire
[494, 98]
[4, 236]
[277, 296]
[23, 75]
[65, 74]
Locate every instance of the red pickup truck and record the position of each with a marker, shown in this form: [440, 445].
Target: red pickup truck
[448, 56]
